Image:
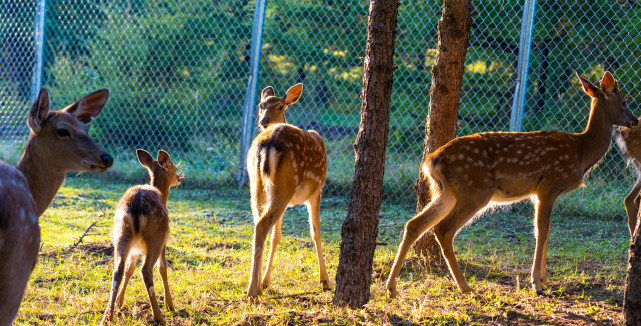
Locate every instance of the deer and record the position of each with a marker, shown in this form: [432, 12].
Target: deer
[471, 173]
[58, 142]
[628, 140]
[141, 227]
[286, 166]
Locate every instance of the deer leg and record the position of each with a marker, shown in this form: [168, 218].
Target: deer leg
[276, 236]
[162, 270]
[631, 202]
[270, 217]
[147, 271]
[313, 207]
[415, 227]
[129, 271]
[121, 252]
[542, 232]
[445, 231]
[259, 197]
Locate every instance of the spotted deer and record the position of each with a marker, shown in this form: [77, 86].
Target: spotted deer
[629, 141]
[473, 172]
[58, 142]
[286, 167]
[141, 227]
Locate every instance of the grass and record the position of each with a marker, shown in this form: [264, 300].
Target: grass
[209, 261]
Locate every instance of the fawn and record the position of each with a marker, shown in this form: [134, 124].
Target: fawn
[473, 172]
[286, 167]
[58, 142]
[141, 227]
[629, 141]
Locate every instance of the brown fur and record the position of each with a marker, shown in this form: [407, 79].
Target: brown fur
[629, 141]
[471, 173]
[286, 166]
[141, 228]
[27, 190]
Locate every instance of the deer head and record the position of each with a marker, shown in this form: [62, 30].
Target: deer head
[271, 109]
[163, 171]
[616, 110]
[62, 136]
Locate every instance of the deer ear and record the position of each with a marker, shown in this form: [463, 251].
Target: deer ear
[293, 94]
[163, 158]
[608, 84]
[588, 87]
[144, 157]
[267, 91]
[89, 106]
[39, 111]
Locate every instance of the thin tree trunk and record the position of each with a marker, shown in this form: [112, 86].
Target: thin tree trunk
[632, 293]
[447, 79]
[360, 229]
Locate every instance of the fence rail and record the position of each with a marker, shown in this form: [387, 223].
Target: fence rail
[179, 71]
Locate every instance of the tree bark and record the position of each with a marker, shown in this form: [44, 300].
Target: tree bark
[632, 293]
[447, 79]
[360, 229]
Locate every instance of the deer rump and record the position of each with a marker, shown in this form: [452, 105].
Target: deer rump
[141, 215]
[276, 161]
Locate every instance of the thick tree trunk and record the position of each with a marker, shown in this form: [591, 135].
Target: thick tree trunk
[354, 272]
[447, 79]
[632, 294]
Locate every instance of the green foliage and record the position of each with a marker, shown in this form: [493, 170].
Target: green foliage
[178, 70]
[165, 68]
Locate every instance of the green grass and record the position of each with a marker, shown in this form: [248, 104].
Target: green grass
[209, 262]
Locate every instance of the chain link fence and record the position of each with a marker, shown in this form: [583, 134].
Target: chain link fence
[178, 73]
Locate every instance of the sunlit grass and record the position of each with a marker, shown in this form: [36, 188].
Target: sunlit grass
[209, 261]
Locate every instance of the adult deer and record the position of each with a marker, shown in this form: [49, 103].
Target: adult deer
[473, 172]
[629, 141]
[141, 227]
[58, 142]
[286, 166]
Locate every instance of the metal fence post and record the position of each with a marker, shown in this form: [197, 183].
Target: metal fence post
[525, 48]
[39, 35]
[250, 95]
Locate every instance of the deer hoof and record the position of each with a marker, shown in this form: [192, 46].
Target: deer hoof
[392, 293]
[253, 300]
[325, 285]
[540, 293]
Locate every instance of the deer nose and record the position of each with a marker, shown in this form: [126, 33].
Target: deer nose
[264, 122]
[107, 160]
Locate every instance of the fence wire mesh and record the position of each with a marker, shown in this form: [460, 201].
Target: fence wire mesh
[178, 71]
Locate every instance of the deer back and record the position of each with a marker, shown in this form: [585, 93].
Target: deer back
[141, 212]
[19, 240]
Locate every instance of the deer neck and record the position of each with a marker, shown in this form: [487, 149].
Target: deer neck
[595, 141]
[43, 178]
[163, 187]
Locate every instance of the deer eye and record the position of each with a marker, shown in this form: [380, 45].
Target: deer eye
[63, 132]
[280, 108]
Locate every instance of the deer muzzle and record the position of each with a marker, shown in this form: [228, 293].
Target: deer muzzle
[264, 122]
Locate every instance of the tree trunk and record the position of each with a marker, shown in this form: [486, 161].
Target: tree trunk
[447, 79]
[632, 293]
[360, 229]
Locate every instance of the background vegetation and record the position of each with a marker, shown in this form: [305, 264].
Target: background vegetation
[178, 72]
